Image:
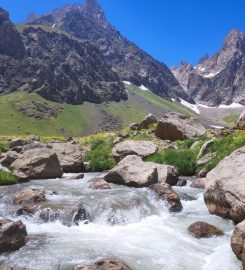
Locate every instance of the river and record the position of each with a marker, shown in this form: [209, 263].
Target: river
[124, 222]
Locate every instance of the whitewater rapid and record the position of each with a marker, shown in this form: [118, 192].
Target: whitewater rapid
[125, 222]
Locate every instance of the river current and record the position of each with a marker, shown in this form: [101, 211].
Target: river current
[131, 224]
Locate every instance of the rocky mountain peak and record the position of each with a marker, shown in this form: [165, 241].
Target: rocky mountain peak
[10, 41]
[234, 40]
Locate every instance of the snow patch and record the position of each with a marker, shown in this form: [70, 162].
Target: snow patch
[205, 106]
[219, 127]
[53, 26]
[173, 99]
[127, 82]
[233, 105]
[142, 87]
[193, 107]
[211, 74]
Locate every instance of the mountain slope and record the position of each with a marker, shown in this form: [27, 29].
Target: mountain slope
[56, 66]
[132, 64]
[23, 113]
[219, 79]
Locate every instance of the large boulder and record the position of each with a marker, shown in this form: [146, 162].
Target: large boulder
[133, 171]
[202, 229]
[41, 163]
[167, 174]
[70, 157]
[238, 242]
[29, 196]
[175, 126]
[99, 184]
[148, 121]
[139, 148]
[241, 121]
[198, 183]
[12, 235]
[167, 194]
[224, 192]
[110, 263]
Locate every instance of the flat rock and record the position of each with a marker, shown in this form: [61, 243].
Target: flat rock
[202, 229]
[167, 194]
[175, 126]
[40, 163]
[133, 171]
[224, 192]
[29, 196]
[238, 242]
[12, 235]
[139, 148]
[110, 263]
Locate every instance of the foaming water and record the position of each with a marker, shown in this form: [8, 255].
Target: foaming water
[124, 222]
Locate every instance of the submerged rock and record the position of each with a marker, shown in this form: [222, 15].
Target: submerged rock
[99, 184]
[224, 192]
[29, 196]
[175, 126]
[110, 263]
[166, 193]
[133, 171]
[139, 148]
[202, 229]
[40, 163]
[12, 235]
[182, 183]
[198, 183]
[238, 242]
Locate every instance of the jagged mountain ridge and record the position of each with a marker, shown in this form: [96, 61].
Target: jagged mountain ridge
[55, 66]
[219, 79]
[88, 21]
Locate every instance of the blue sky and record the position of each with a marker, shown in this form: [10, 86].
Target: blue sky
[169, 30]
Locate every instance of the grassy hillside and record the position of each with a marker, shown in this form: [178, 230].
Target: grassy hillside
[23, 113]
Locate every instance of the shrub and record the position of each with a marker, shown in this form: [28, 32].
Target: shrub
[183, 160]
[7, 178]
[224, 147]
[100, 155]
[3, 146]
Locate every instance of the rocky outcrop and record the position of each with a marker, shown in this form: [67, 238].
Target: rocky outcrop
[175, 126]
[241, 121]
[12, 235]
[139, 148]
[110, 263]
[202, 229]
[205, 148]
[238, 242]
[225, 187]
[56, 66]
[218, 79]
[38, 163]
[29, 196]
[149, 120]
[133, 171]
[70, 157]
[167, 194]
[127, 60]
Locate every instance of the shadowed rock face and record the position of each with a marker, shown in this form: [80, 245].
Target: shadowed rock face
[132, 64]
[55, 66]
[10, 41]
[225, 187]
[220, 78]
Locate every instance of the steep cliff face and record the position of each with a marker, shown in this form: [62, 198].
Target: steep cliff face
[88, 21]
[219, 79]
[56, 66]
